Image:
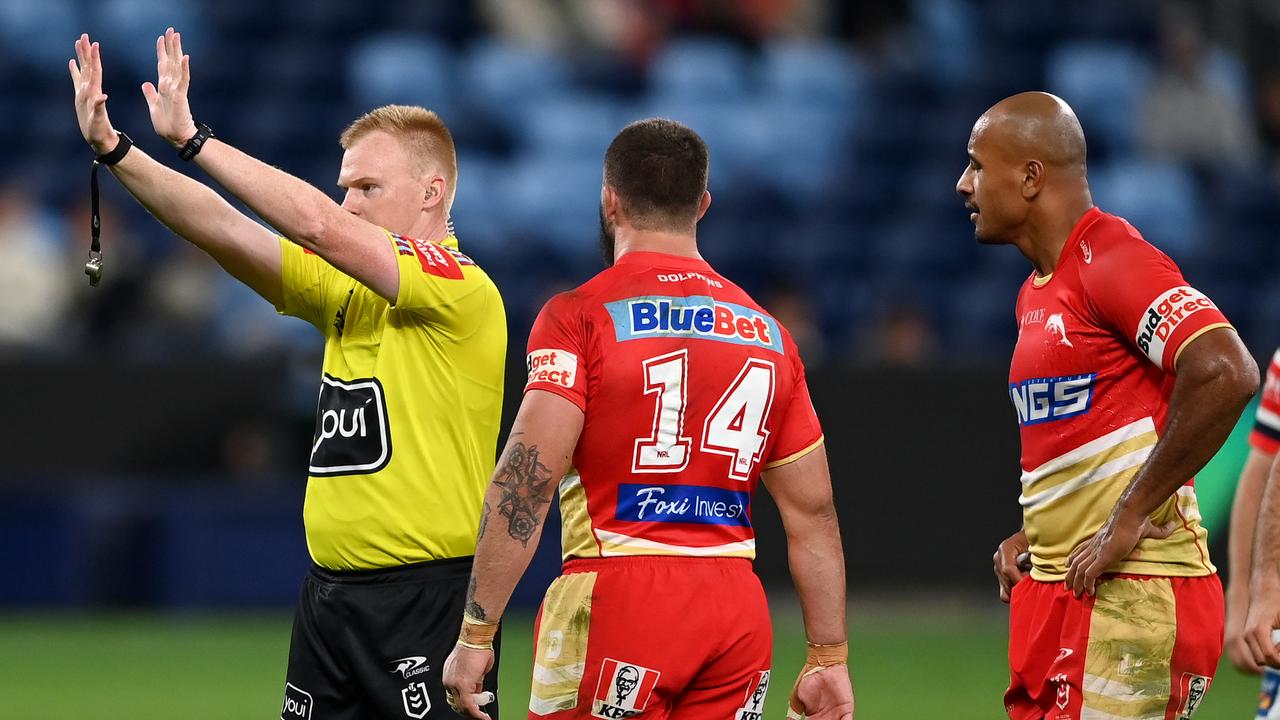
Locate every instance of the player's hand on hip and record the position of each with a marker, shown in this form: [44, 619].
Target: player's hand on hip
[1263, 619]
[823, 693]
[1012, 562]
[91, 102]
[167, 99]
[464, 673]
[1234, 643]
[1114, 541]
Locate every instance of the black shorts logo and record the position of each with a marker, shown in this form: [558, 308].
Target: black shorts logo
[352, 434]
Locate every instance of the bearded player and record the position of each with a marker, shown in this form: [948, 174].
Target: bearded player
[1126, 380]
[659, 394]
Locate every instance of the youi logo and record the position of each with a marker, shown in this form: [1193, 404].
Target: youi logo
[696, 316]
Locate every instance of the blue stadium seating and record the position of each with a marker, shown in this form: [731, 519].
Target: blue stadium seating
[1104, 82]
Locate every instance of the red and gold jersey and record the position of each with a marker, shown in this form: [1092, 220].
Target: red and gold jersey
[689, 390]
[1265, 437]
[1098, 346]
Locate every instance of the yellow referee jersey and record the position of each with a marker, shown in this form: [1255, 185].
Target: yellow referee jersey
[408, 413]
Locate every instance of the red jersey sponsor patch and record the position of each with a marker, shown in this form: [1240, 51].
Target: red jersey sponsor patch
[435, 259]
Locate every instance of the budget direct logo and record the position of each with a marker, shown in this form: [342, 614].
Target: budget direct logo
[554, 366]
[1163, 317]
[699, 317]
[683, 504]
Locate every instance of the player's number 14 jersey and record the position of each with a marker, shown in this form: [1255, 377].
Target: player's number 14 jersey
[689, 391]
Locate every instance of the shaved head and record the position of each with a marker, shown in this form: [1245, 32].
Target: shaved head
[1027, 169]
[1036, 125]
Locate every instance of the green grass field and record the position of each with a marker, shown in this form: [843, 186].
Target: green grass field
[911, 661]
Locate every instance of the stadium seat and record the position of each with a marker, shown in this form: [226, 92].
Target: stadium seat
[1104, 83]
[1159, 198]
[503, 80]
[402, 68]
[811, 74]
[572, 126]
[129, 29]
[706, 69]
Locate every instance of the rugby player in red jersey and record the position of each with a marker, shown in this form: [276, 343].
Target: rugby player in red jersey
[1126, 380]
[1253, 595]
[659, 393]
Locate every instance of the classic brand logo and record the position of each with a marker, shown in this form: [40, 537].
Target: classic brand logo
[1163, 317]
[410, 666]
[352, 433]
[683, 504]
[696, 316]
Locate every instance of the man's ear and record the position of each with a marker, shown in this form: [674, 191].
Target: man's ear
[434, 192]
[703, 204]
[1033, 180]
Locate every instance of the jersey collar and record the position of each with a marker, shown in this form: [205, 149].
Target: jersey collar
[1082, 226]
[657, 259]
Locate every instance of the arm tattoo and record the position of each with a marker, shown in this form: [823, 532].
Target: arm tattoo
[473, 608]
[484, 521]
[523, 480]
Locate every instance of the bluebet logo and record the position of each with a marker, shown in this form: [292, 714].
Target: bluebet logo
[696, 316]
[1044, 399]
[683, 504]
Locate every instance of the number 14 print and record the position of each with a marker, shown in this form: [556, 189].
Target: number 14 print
[734, 427]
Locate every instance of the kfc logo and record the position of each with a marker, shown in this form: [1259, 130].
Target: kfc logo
[623, 690]
[1193, 689]
[552, 366]
[753, 707]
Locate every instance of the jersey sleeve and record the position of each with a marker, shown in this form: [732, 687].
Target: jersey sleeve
[1265, 437]
[441, 284]
[1137, 291]
[799, 432]
[557, 352]
[310, 285]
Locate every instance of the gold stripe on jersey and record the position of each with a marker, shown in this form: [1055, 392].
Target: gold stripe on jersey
[1195, 335]
[560, 650]
[1067, 499]
[614, 544]
[575, 521]
[795, 455]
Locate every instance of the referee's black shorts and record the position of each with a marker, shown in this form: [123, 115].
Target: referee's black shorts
[371, 644]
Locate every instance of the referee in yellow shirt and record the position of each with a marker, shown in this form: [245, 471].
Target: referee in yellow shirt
[407, 418]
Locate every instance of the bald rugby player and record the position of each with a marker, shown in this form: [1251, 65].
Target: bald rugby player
[1126, 380]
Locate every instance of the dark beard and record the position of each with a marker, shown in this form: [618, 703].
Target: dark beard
[606, 239]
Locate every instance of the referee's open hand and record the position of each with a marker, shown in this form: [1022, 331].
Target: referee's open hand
[167, 99]
[91, 102]
[463, 680]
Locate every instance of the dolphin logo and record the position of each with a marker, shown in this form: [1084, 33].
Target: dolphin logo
[1058, 329]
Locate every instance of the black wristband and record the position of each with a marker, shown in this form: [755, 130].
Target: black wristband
[197, 141]
[121, 149]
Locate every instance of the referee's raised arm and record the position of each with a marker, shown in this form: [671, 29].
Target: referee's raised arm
[247, 250]
[299, 211]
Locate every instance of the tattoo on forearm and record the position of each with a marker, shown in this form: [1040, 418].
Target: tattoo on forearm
[473, 608]
[523, 480]
[484, 521]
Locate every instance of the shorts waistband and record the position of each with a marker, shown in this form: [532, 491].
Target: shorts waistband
[576, 565]
[459, 567]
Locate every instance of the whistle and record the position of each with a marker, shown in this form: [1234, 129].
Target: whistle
[93, 268]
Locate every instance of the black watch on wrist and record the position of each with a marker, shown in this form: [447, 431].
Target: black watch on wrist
[117, 154]
[197, 141]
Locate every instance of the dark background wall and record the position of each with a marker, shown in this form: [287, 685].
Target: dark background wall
[120, 491]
